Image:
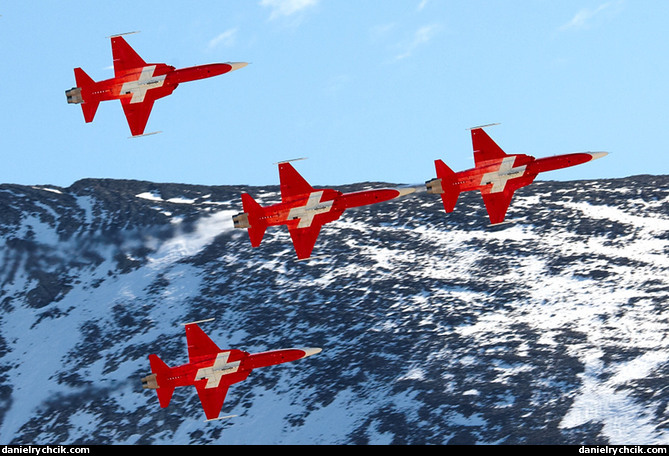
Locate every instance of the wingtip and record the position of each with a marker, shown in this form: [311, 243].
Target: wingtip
[478, 127]
[198, 321]
[142, 135]
[123, 34]
[290, 160]
[218, 418]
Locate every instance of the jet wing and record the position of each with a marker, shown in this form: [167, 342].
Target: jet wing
[199, 344]
[292, 184]
[137, 114]
[485, 148]
[212, 398]
[304, 239]
[497, 203]
[125, 57]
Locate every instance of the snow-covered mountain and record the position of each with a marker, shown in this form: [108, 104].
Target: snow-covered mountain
[435, 328]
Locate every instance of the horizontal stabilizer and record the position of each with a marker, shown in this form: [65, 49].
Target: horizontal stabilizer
[165, 395]
[85, 84]
[160, 369]
[251, 206]
[89, 109]
[158, 366]
[256, 227]
[443, 171]
[449, 191]
[84, 81]
[450, 199]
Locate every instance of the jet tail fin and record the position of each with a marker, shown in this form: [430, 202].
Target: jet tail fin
[83, 94]
[444, 184]
[157, 381]
[253, 212]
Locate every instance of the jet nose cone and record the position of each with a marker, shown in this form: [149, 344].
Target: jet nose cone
[310, 351]
[596, 155]
[237, 65]
[406, 190]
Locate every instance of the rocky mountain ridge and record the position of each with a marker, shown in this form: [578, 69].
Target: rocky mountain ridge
[436, 328]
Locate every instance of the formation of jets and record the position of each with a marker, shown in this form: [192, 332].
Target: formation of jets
[303, 209]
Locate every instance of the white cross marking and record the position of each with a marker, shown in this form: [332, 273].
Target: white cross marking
[145, 82]
[499, 178]
[220, 368]
[307, 212]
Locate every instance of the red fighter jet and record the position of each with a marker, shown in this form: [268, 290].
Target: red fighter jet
[497, 174]
[304, 209]
[212, 370]
[137, 84]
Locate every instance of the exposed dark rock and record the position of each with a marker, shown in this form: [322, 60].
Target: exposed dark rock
[436, 328]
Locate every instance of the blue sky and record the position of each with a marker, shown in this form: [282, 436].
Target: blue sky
[368, 90]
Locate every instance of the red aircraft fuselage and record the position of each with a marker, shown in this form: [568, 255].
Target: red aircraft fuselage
[493, 174]
[161, 79]
[137, 84]
[304, 209]
[212, 370]
[497, 175]
[299, 211]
